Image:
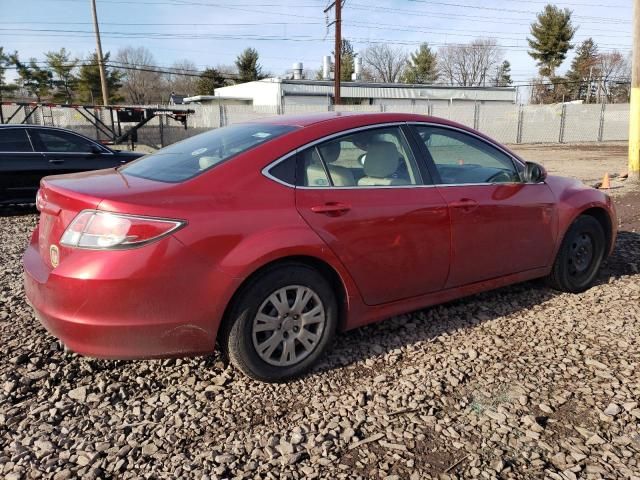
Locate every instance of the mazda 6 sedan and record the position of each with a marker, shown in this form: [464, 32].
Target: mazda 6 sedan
[268, 237]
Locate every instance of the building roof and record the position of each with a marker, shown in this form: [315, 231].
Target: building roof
[329, 83]
[369, 90]
[211, 98]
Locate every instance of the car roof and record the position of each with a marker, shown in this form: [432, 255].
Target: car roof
[357, 118]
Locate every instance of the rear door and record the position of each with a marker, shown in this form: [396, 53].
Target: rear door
[500, 225]
[67, 152]
[365, 196]
[20, 166]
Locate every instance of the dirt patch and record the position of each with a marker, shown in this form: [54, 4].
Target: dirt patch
[628, 209]
[586, 162]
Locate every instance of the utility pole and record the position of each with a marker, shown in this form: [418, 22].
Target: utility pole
[103, 75]
[337, 49]
[634, 107]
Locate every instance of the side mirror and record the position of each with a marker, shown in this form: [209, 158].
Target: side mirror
[96, 150]
[534, 173]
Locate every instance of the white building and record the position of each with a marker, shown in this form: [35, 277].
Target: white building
[276, 92]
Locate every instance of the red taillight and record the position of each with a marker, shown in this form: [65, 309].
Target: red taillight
[105, 230]
[39, 200]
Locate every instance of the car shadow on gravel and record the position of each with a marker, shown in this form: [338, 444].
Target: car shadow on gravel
[427, 325]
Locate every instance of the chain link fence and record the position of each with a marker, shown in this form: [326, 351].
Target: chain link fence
[560, 123]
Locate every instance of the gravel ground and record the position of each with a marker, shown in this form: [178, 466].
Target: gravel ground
[522, 382]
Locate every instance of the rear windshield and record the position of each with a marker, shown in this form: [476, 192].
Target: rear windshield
[186, 159]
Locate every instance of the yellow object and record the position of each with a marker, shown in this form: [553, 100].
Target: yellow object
[634, 135]
[606, 182]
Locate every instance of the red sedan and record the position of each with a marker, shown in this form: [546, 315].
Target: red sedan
[267, 237]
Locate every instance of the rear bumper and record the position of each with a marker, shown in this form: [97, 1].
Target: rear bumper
[151, 302]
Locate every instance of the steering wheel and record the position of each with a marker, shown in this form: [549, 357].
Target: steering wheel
[500, 177]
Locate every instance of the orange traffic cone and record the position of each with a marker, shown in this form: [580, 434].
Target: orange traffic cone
[606, 182]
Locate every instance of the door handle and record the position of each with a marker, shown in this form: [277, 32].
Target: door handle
[56, 160]
[465, 204]
[332, 208]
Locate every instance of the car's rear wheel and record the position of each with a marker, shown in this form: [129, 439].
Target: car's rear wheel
[281, 323]
[579, 257]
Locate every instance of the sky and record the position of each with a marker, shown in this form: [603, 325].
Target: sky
[214, 32]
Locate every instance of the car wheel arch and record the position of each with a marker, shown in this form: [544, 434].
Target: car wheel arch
[601, 214]
[324, 268]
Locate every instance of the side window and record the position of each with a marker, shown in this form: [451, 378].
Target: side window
[55, 141]
[14, 140]
[461, 158]
[368, 158]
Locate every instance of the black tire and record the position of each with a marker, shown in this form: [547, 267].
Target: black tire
[579, 257]
[240, 342]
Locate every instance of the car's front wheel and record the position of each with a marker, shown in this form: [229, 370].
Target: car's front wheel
[579, 257]
[281, 323]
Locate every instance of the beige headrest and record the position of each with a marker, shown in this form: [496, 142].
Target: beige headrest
[330, 151]
[382, 160]
[207, 161]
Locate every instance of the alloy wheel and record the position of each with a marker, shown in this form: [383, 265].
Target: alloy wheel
[288, 325]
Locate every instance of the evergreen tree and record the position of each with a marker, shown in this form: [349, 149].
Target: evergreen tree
[35, 80]
[209, 81]
[503, 75]
[64, 80]
[347, 62]
[347, 56]
[248, 67]
[583, 67]
[422, 67]
[5, 61]
[552, 33]
[89, 87]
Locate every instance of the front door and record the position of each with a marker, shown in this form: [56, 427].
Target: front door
[499, 224]
[365, 197]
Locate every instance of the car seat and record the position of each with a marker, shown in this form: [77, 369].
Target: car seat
[341, 176]
[382, 165]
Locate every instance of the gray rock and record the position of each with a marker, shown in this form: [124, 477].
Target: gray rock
[149, 449]
[79, 394]
[612, 410]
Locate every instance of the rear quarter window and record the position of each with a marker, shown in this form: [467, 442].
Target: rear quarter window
[191, 157]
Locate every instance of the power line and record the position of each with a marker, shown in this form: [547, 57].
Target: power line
[253, 37]
[571, 4]
[493, 19]
[352, 23]
[500, 9]
[241, 7]
[618, 80]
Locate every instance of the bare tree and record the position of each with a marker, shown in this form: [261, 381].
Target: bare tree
[469, 65]
[184, 78]
[140, 83]
[383, 63]
[615, 73]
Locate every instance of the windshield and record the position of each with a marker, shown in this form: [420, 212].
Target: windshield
[184, 160]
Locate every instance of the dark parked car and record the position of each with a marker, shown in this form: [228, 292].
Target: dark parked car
[29, 152]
